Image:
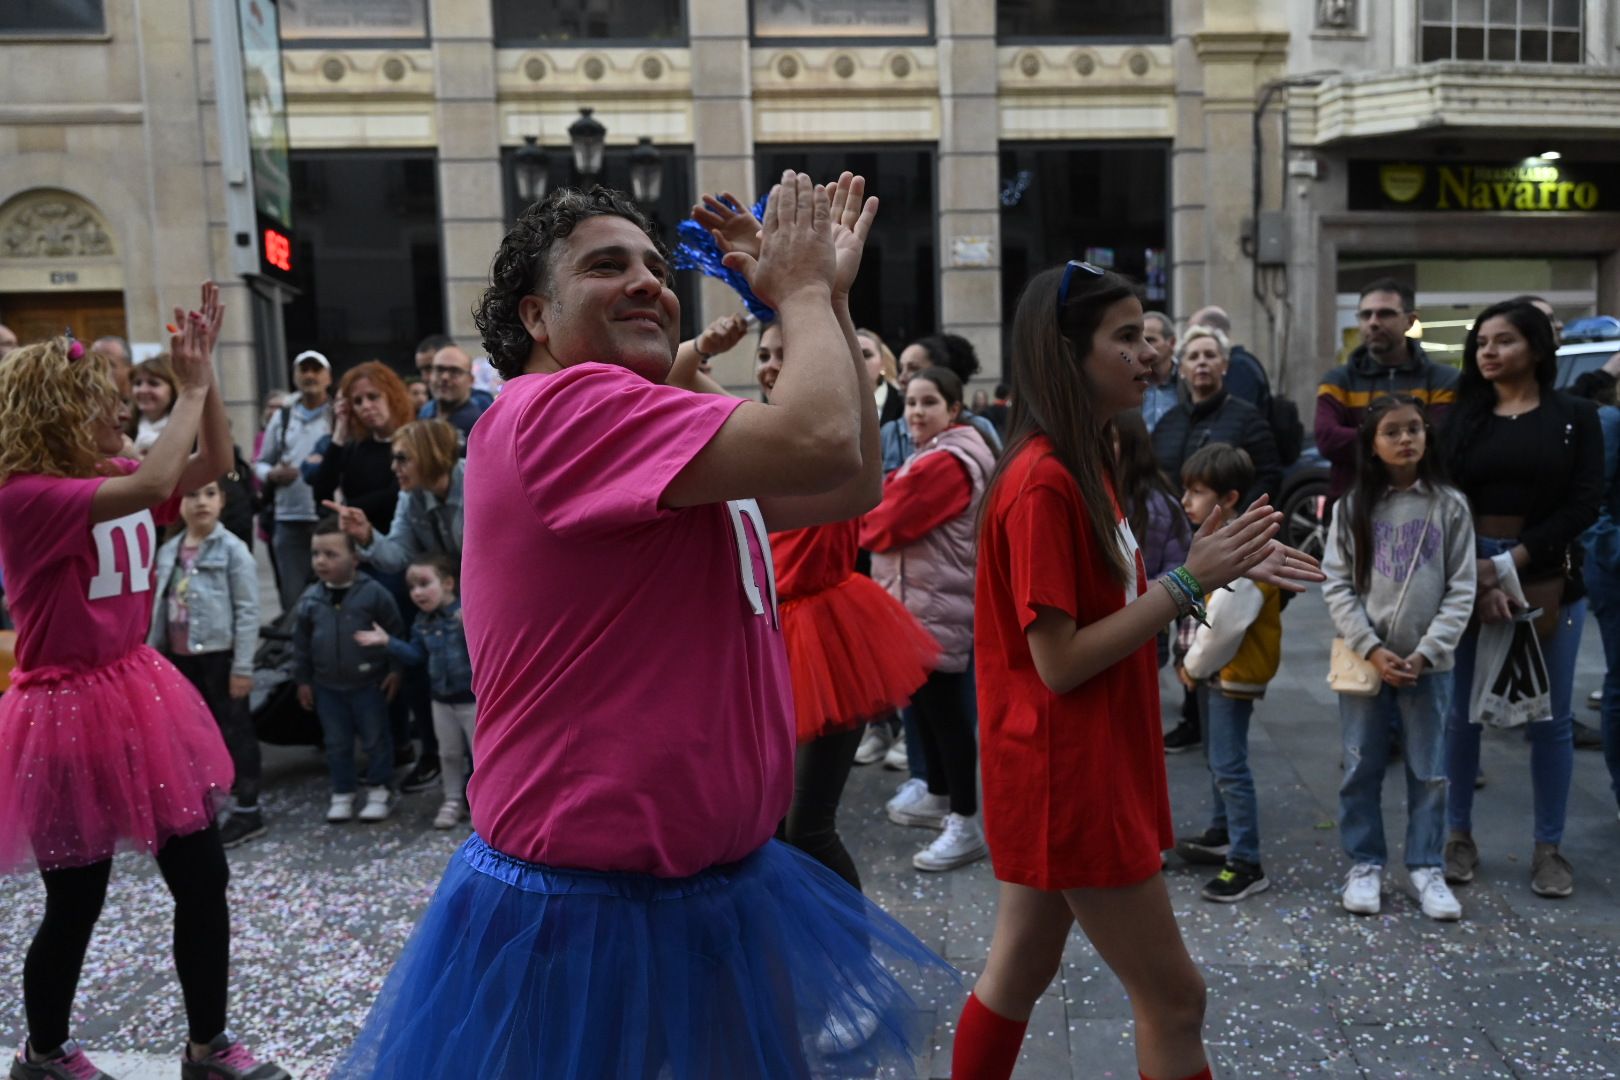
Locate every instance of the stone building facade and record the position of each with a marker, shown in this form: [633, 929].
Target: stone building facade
[1003, 137]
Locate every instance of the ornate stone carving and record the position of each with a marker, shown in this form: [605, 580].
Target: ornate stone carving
[52, 226]
[1336, 14]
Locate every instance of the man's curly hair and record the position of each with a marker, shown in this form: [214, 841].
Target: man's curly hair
[523, 266]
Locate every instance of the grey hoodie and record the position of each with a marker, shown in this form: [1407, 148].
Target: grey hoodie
[1440, 598]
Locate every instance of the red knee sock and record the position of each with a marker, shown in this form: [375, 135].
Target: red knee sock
[987, 1043]
[1202, 1074]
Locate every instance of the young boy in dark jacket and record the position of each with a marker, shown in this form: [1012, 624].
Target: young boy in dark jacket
[346, 683]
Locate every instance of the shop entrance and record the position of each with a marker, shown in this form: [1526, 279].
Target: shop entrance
[1452, 292]
[38, 315]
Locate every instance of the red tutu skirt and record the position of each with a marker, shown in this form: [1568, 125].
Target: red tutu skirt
[854, 653]
[122, 756]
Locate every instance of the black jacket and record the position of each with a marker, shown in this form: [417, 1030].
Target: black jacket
[894, 405]
[1188, 428]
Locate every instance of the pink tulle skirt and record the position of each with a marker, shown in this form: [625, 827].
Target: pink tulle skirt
[122, 756]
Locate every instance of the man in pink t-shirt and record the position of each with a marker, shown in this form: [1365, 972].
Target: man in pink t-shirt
[622, 909]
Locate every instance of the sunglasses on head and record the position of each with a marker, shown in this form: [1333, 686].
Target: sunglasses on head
[1090, 272]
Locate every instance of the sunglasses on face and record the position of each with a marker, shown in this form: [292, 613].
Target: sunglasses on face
[400, 459]
[1085, 269]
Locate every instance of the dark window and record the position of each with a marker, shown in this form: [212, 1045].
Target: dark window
[1526, 31]
[368, 261]
[1083, 19]
[897, 291]
[52, 17]
[675, 200]
[518, 21]
[1107, 204]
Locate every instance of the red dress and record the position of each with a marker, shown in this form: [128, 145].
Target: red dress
[853, 651]
[1075, 794]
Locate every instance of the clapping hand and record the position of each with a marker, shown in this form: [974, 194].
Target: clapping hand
[733, 225]
[720, 335]
[188, 351]
[852, 218]
[798, 254]
[372, 638]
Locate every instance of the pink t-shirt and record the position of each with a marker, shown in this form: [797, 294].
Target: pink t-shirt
[634, 708]
[80, 594]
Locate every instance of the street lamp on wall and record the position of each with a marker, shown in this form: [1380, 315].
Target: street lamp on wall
[589, 139]
[529, 171]
[646, 172]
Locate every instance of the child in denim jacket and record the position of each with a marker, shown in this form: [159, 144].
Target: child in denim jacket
[205, 618]
[439, 640]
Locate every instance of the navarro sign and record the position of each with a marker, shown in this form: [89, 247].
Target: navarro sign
[1532, 185]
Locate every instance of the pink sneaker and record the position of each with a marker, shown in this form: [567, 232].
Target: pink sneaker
[66, 1062]
[229, 1060]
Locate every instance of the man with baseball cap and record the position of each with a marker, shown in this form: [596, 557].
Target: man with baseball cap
[290, 438]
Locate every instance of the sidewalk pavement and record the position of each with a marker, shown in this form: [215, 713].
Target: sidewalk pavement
[1522, 987]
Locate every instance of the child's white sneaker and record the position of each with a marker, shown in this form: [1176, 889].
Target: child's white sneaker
[379, 804]
[449, 815]
[1436, 898]
[1363, 887]
[341, 808]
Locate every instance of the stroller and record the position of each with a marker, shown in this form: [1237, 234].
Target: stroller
[278, 719]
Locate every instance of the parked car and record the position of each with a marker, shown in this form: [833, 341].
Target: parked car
[1589, 344]
[1303, 501]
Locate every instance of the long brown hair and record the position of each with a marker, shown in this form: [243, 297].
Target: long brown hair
[1050, 395]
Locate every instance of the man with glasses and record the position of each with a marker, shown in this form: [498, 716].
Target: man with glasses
[454, 397]
[1386, 362]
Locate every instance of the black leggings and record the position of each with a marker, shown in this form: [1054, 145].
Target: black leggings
[947, 738]
[820, 770]
[195, 871]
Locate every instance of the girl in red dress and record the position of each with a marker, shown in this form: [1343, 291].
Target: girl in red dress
[853, 653]
[1075, 799]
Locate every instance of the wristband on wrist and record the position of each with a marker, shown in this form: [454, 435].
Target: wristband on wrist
[1184, 576]
[1190, 604]
[701, 354]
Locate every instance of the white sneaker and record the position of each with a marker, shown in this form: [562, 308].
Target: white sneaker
[1363, 887]
[841, 1033]
[340, 809]
[449, 815]
[1436, 897]
[895, 760]
[874, 744]
[961, 842]
[379, 804]
[913, 805]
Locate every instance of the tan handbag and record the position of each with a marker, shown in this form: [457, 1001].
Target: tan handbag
[1350, 673]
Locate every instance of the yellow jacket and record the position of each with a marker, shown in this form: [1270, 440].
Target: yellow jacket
[1242, 643]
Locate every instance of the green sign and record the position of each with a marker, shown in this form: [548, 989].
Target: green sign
[1534, 185]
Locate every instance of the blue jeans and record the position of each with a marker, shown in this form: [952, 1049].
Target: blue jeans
[345, 714]
[1552, 742]
[1603, 593]
[1226, 737]
[1364, 723]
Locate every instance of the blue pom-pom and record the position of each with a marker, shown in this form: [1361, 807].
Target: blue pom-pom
[698, 251]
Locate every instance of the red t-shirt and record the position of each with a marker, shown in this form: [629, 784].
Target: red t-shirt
[1075, 794]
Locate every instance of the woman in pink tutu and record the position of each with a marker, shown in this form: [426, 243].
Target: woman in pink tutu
[103, 744]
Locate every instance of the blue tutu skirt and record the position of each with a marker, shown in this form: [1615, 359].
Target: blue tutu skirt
[771, 968]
